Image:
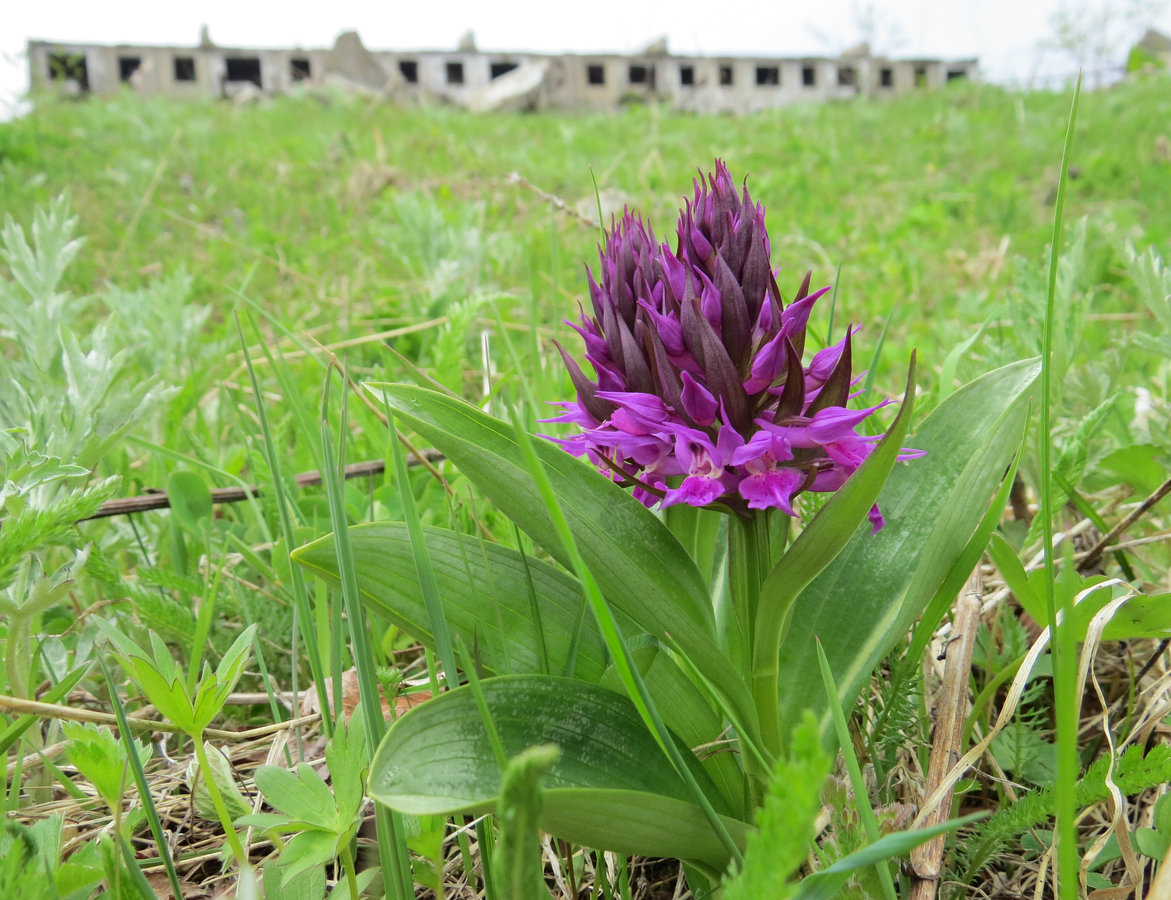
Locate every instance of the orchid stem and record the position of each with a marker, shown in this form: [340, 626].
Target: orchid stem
[748, 566]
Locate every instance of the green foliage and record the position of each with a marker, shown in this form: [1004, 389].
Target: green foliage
[159, 677]
[221, 770]
[291, 207]
[439, 759]
[785, 822]
[933, 510]
[100, 758]
[324, 821]
[1133, 772]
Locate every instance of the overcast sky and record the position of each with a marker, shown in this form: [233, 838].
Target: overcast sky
[1007, 35]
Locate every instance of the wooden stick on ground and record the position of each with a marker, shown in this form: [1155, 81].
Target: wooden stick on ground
[949, 712]
[125, 505]
[1095, 552]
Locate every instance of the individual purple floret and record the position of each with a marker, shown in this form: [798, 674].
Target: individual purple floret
[699, 394]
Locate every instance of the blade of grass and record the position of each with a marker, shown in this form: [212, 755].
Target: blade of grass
[144, 794]
[203, 621]
[1064, 646]
[857, 782]
[304, 612]
[392, 848]
[427, 584]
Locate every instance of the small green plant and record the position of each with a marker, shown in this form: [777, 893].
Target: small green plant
[190, 706]
[324, 822]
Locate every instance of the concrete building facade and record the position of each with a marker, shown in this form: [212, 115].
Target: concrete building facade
[485, 80]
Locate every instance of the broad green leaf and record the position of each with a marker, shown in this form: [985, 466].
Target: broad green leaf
[308, 850]
[688, 714]
[1141, 465]
[815, 548]
[485, 594]
[309, 885]
[640, 567]
[611, 789]
[1142, 616]
[878, 585]
[626, 547]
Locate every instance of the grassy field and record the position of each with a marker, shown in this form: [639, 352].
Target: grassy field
[158, 257]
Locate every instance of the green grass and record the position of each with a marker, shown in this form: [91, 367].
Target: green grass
[331, 219]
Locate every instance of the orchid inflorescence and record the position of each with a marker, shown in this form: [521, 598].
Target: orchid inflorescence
[699, 369]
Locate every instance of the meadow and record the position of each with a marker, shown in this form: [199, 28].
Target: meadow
[191, 299]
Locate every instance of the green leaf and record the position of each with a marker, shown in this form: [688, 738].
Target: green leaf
[308, 850]
[231, 667]
[951, 363]
[863, 602]
[639, 565]
[610, 789]
[485, 594]
[1140, 465]
[824, 885]
[346, 755]
[815, 548]
[1142, 616]
[308, 885]
[1151, 843]
[100, 758]
[626, 547]
[302, 796]
[191, 502]
[688, 714]
[1015, 577]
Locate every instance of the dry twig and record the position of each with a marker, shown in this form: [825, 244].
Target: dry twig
[926, 859]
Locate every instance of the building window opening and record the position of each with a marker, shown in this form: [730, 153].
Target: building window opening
[847, 76]
[596, 74]
[69, 67]
[726, 78]
[920, 76]
[184, 68]
[638, 74]
[768, 76]
[243, 69]
[687, 75]
[886, 77]
[410, 70]
[957, 74]
[299, 69]
[808, 76]
[500, 68]
[127, 66]
[455, 73]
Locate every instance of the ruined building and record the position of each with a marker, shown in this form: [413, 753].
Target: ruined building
[481, 80]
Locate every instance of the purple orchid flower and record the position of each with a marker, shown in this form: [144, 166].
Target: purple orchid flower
[700, 395]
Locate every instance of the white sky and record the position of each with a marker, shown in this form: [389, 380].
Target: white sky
[1005, 34]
